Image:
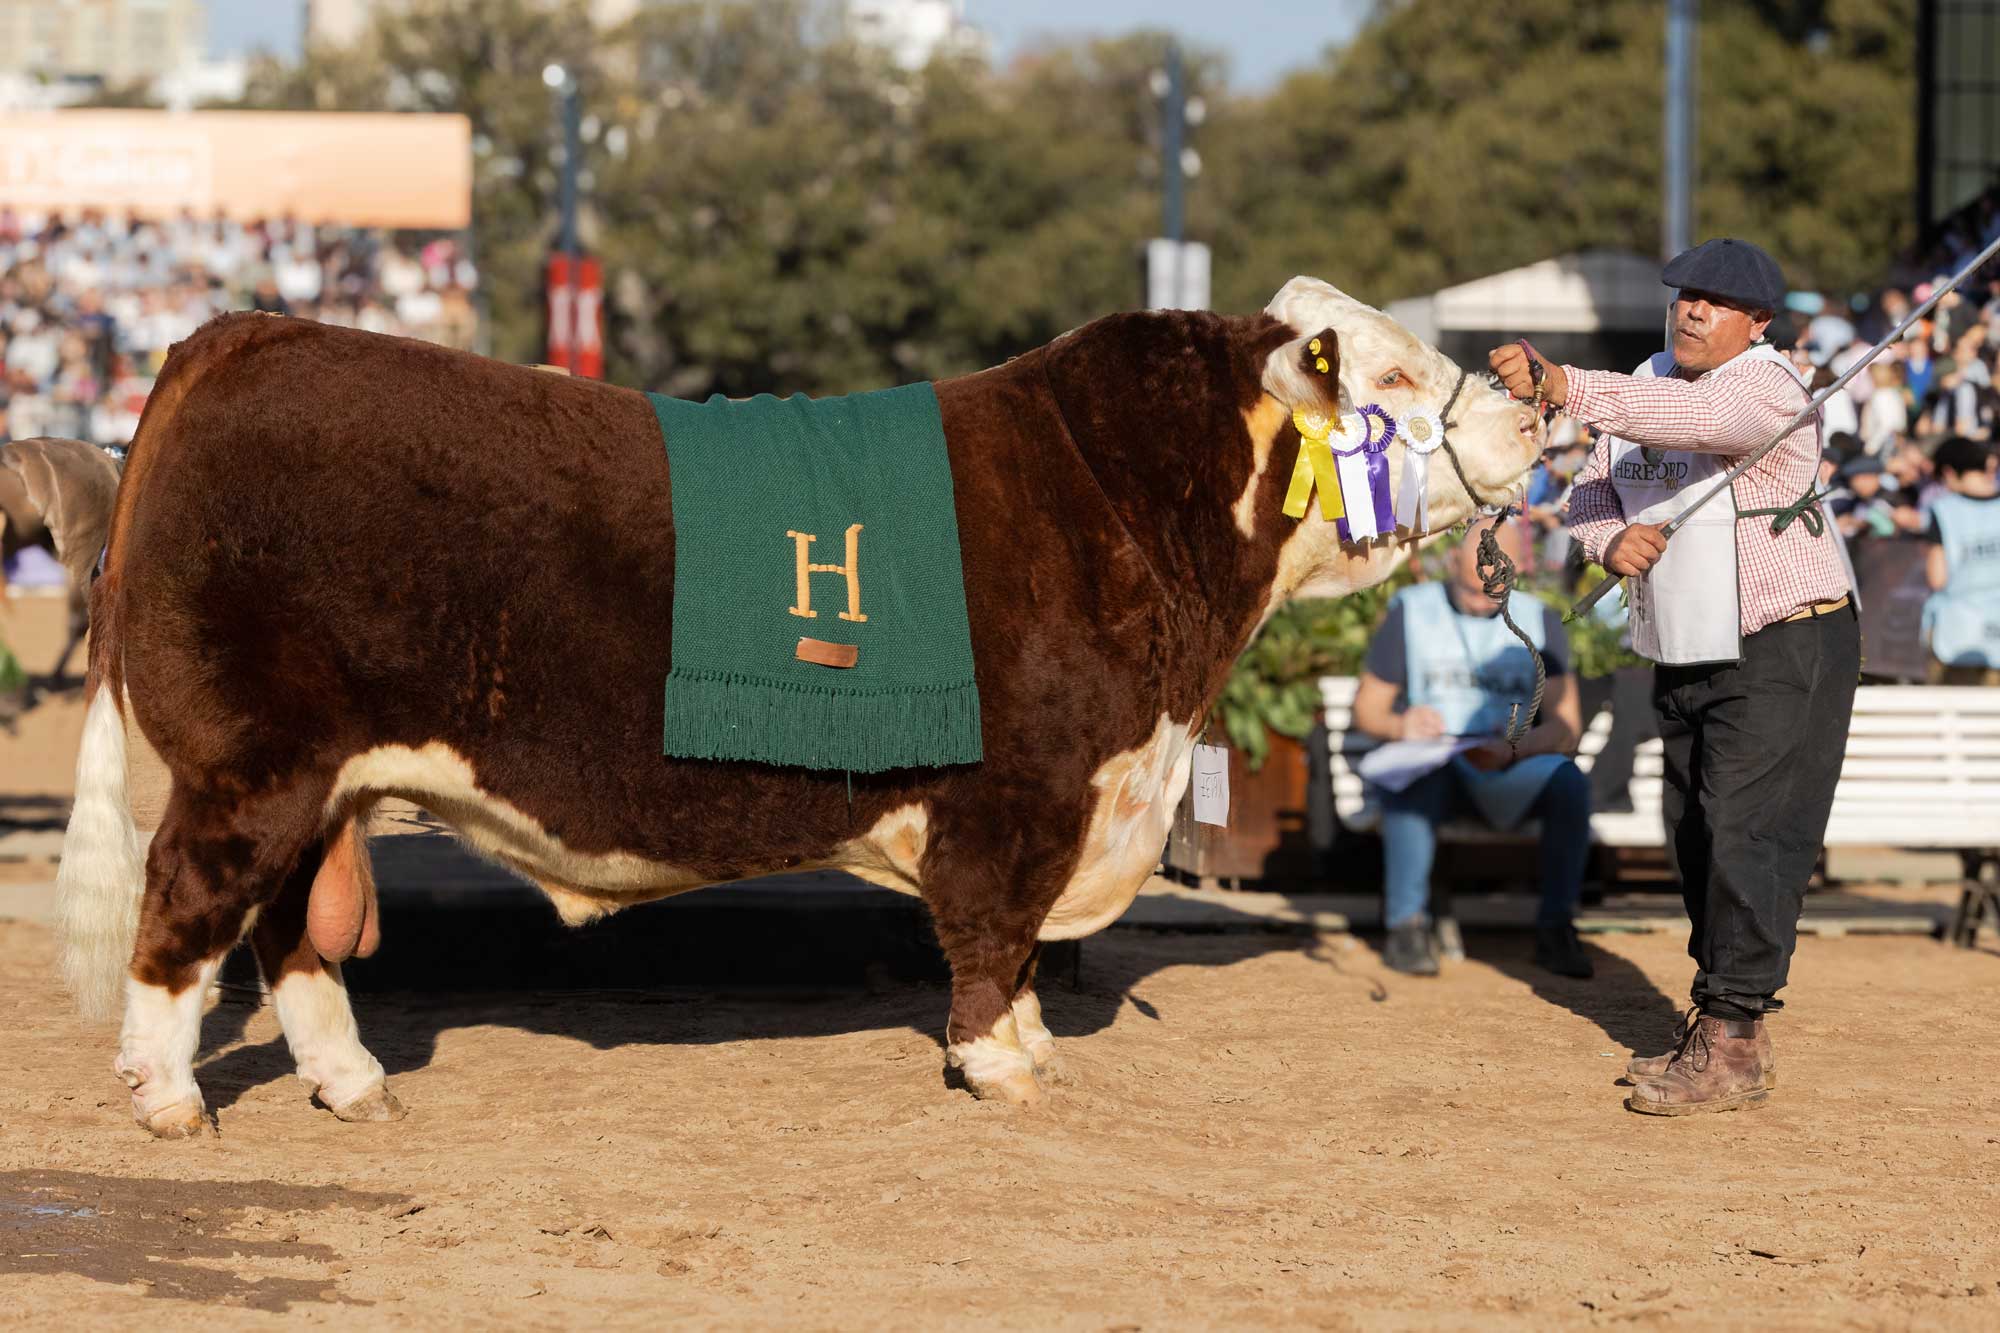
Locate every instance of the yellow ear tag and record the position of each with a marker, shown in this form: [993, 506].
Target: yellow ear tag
[1320, 365]
[1313, 347]
[1314, 464]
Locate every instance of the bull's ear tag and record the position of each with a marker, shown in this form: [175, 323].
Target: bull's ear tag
[1211, 785]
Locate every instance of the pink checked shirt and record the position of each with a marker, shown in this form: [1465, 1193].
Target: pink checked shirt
[1730, 411]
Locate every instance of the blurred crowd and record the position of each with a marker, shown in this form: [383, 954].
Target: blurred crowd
[90, 302]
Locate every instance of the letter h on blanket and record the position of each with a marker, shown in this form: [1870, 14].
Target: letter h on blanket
[806, 569]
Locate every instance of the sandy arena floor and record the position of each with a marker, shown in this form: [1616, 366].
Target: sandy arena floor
[1260, 1130]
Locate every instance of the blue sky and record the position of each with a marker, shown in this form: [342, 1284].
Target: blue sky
[1263, 38]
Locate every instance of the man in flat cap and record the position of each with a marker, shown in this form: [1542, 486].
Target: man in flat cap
[1749, 618]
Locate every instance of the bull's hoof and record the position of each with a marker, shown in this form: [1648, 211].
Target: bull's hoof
[378, 1106]
[183, 1120]
[1049, 1066]
[1017, 1088]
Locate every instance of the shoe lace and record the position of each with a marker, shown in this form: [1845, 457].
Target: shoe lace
[1692, 1044]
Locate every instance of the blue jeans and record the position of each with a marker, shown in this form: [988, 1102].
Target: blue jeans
[1410, 820]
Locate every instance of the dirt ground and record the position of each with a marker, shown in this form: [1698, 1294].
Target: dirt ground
[1259, 1130]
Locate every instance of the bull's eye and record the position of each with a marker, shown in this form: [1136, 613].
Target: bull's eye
[1390, 380]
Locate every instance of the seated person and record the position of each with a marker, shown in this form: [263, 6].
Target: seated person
[1870, 509]
[1962, 618]
[1443, 663]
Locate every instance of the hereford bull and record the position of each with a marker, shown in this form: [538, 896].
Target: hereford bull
[345, 567]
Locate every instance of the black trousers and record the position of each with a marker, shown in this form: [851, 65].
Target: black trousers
[1753, 751]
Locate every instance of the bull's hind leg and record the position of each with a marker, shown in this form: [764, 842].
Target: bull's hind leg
[309, 995]
[213, 860]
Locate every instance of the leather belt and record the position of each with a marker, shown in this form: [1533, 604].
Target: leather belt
[1818, 609]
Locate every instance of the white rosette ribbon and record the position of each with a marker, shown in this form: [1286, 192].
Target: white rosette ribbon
[1422, 432]
[1353, 469]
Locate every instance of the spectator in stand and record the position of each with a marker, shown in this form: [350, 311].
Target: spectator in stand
[1962, 617]
[90, 302]
[1886, 415]
[1548, 491]
[1871, 509]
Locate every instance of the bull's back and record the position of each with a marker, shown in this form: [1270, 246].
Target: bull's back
[370, 542]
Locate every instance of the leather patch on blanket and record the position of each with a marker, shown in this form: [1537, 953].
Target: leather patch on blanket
[828, 654]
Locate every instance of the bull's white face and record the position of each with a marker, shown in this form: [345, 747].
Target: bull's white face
[1497, 438]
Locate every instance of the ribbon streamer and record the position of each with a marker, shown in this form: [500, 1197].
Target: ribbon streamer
[1364, 474]
[1314, 465]
[1422, 432]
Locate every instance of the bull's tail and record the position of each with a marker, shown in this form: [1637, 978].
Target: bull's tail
[103, 875]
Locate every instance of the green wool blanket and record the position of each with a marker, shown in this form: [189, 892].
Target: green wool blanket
[819, 608]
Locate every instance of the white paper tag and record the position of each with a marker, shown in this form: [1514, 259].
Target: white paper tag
[1211, 785]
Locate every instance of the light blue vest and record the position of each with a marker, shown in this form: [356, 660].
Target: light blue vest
[1963, 617]
[1471, 669]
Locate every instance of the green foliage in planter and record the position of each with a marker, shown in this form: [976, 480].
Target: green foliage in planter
[1275, 683]
[12, 677]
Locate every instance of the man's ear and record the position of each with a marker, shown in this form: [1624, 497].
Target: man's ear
[1306, 372]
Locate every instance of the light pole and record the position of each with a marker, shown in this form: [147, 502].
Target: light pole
[563, 301]
[1677, 187]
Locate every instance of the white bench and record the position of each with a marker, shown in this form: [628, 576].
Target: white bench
[1922, 771]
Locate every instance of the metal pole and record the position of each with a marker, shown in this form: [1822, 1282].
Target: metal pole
[572, 113]
[1677, 188]
[1172, 133]
[1756, 456]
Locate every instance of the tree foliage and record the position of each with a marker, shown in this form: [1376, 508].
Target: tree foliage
[781, 210]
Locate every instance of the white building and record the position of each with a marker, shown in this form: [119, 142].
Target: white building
[913, 31]
[114, 42]
[910, 31]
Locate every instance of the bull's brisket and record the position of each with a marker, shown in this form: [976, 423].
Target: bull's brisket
[819, 610]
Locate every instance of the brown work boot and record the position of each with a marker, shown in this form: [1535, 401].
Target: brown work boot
[1716, 1068]
[1652, 1066]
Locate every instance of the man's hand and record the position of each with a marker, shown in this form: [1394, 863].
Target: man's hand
[1635, 550]
[1511, 364]
[1490, 756]
[1423, 724]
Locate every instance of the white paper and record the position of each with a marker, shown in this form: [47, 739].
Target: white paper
[1211, 785]
[1394, 765]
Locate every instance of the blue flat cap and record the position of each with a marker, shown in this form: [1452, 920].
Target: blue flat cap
[1728, 267]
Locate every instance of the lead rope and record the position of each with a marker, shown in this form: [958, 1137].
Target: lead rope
[1499, 583]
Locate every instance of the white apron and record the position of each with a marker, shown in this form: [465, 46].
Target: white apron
[1686, 609]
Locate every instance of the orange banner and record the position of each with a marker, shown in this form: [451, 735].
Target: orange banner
[365, 169]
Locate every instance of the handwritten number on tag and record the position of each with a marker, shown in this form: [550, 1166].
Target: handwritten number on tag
[1211, 785]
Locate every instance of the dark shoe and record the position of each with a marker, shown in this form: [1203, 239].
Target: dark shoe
[1716, 1068]
[1652, 1066]
[1411, 951]
[1558, 950]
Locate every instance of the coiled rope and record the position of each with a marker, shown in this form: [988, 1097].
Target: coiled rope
[1497, 575]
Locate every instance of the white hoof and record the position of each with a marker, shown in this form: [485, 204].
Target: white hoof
[995, 1067]
[377, 1106]
[1049, 1066]
[183, 1120]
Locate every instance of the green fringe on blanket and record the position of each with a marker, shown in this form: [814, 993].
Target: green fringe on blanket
[716, 717]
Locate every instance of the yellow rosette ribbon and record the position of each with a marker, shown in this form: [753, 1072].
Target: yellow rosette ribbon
[1314, 465]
